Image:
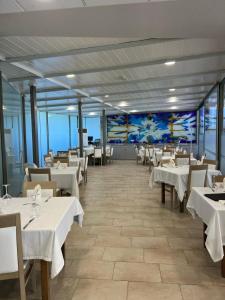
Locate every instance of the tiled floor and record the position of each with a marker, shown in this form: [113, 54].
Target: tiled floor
[132, 248]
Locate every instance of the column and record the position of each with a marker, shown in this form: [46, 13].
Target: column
[2, 137]
[24, 128]
[80, 127]
[33, 106]
[104, 135]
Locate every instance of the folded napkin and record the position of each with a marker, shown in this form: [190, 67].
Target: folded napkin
[26, 171]
[172, 163]
[35, 192]
[222, 202]
[199, 162]
[58, 164]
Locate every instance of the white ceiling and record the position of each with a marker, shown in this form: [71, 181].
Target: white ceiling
[105, 65]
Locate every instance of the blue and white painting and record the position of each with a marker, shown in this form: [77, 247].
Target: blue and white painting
[153, 128]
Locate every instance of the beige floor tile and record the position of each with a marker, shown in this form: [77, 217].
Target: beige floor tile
[199, 258]
[171, 232]
[123, 254]
[136, 231]
[202, 292]
[113, 241]
[185, 244]
[100, 290]
[154, 291]
[179, 274]
[95, 253]
[164, 256]
[90, 269]
[105, 230]
[63, 288]
[136, 272]
[149, 242]
[128, 222]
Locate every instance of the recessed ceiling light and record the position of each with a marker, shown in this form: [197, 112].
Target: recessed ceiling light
[123, 104]
[92, 114]
[4, 108]
[133, 111]
[173, 107]
[70, 75]
[106, 96]
[172, 90]
[172, 99]
[71, 108]
[170, 63]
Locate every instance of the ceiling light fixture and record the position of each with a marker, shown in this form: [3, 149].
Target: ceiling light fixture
[173, 107]
[106, 96]
[133, 111]
[71, 108]
[172, 90]
[70, 75]
[123, 104]
[170, 63]
[173, 99]
[92, 114]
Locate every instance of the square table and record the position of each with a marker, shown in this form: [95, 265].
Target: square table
[212, 214]
[66, 178]
[44, 238]
[176, 177]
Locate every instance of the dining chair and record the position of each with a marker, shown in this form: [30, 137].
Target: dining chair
[84, 172]
[47, 186]
[182, 159]
[73, 153]
[39, 174]
[98, 155]
[211, 163]
[218, 178]
[12, 265]
[64, 160]
[138, 156]
[62, 153]
[164, 162]
[167, 152]
[48, 160]
[196, 178]
[78, 173]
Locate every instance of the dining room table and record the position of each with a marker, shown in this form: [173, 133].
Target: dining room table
[209, 205]
[177, 177]
[66, 179]
[45, 227]
[74, 161]
[159, 157]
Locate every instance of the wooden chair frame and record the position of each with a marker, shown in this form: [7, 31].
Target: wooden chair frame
[62, 159]
[13, 220]
[183, 156]
[29, 185]
[39, 171]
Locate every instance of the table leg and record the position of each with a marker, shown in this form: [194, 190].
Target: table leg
[204, 234]
[223, 264]
[163, 192]
[64, 251]
[181, 206]
[45, 284]
[171, 195]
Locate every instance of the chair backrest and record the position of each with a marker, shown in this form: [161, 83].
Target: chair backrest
[182, 159]
[78, 173]
[211, 163]
[39, 174]
[62, 153]
[11, 251]
[86, 163]
[164, 162]
[218, 178]
[47, 186]
[98, 152]
[73, 153]
[63, 160]
[167, 153]
[196, 177]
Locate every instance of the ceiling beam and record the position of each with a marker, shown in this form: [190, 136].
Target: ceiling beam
[121, 66]
[149, 79]
[154, 89]
[88, 50]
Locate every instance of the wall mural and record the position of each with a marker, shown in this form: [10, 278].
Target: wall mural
[165, 127]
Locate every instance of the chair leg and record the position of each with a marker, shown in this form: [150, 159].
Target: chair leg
[22, 287]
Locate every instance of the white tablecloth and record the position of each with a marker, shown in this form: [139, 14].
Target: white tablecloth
[89, 150]
[73, 162]
[44, 237]
[158, 157]
[213, 215]
[66, 179]
[177, 177]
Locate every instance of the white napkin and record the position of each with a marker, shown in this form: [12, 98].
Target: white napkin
[58, 164]
[222, 202]
[185, 152]
[199, 162]
[172, 163]
[26, 171]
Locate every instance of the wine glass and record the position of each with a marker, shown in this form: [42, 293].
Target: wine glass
[7, 195]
